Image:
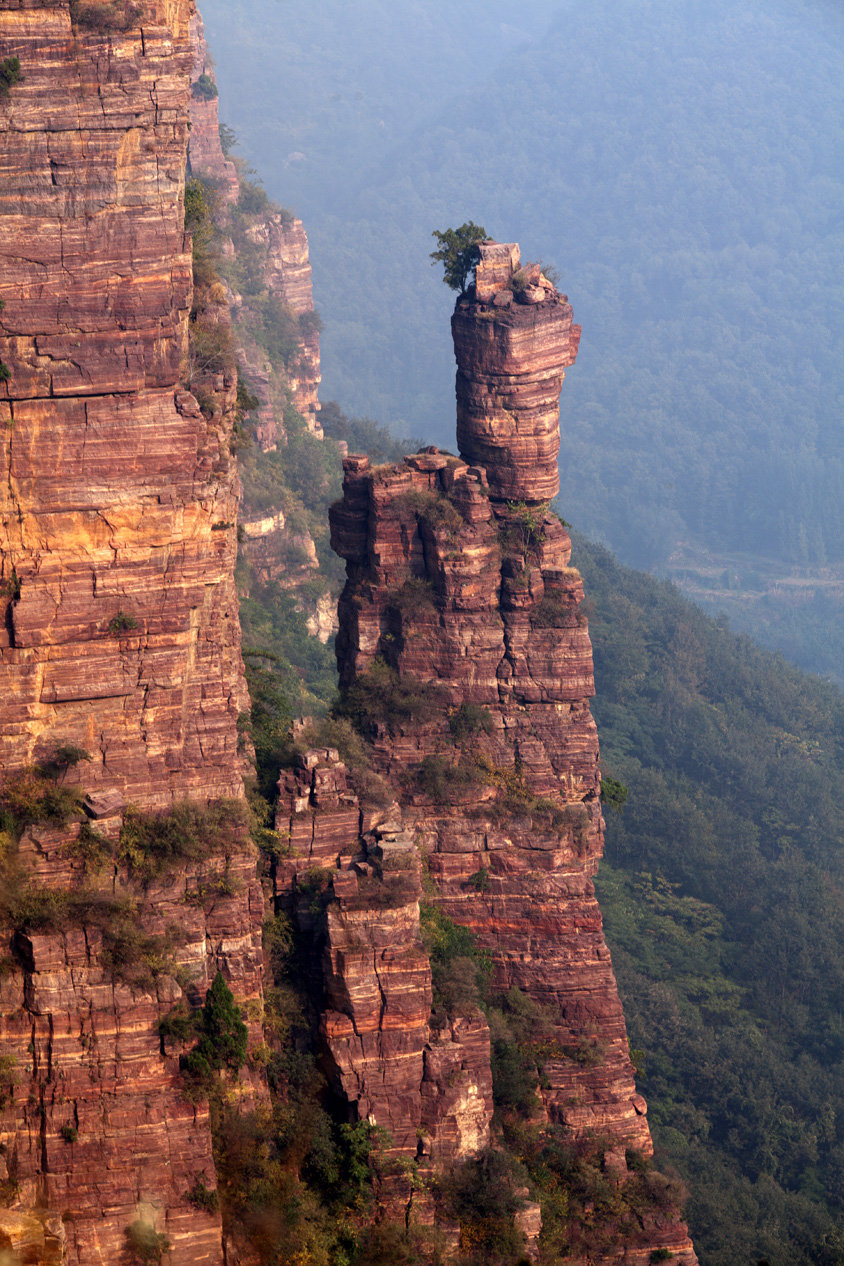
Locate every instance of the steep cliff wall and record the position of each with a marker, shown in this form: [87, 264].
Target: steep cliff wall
[466, 659]
[119, 646]
[118, 506]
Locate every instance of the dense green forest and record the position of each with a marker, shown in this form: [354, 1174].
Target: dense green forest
[682, 167]
[722, 896]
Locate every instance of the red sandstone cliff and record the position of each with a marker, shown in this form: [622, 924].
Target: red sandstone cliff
[119, 637]
[461, 601]
[117, 512]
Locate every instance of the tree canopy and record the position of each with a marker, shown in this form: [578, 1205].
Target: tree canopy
[458, 253]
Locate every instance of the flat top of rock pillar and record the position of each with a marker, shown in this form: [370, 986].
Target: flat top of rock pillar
[496, 264]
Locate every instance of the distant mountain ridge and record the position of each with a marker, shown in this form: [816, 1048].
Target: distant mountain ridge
[680, 167]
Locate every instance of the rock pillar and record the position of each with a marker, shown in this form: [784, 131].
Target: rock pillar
[513, 339]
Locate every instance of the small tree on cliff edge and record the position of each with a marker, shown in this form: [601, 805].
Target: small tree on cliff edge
[458, 253]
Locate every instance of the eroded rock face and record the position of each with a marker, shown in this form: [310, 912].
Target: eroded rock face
[461, 594]
[513, 339]
[286, 271]
[117, 512]
[96, 1130]
[444, 602]
[427, 1084]
[206, 151]
[119, 635]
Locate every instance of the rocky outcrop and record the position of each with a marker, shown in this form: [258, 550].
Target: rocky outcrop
[98, 1131]
[514, 339]
[278, 554]
[427, 1084]
[462, 634]
[286, 274]
[118, 507]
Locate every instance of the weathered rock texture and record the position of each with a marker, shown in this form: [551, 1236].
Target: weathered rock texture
[118, 507]
[96, 1132]
[286, 273]
[206, 150]
[513, 342]
[119, 632]
[459, 580]
[398, 1072]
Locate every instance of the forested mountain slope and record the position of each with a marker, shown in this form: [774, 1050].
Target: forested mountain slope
[681, 167]
[722, 896]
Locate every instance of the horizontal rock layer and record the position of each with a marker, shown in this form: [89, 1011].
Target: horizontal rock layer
[118, 507]
[119, 632]
[430, 1088]
[466, 653]
[512, 347]
[96, 1131]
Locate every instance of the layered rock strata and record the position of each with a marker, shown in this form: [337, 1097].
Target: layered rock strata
[118, 507]
[461, 598]
[513, 339]
[428, 1086]
[119, 639]
[97, 1132]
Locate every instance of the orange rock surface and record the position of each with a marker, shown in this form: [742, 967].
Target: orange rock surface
[513, 339]
[117, 513]
[119, 633]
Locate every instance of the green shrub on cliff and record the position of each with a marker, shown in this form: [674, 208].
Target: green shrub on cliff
[150, 842]
[33, 796]
[146, 1245]
[381, 695]
[119, 15]
[483, 1195]
[10, 73]
[457, 251]
[445, 780]
[468, 720]
[204, 88]
[223, 1035]
[460, 969]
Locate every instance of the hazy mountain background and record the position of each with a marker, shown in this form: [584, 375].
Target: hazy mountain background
[680, 168]
[682, 165]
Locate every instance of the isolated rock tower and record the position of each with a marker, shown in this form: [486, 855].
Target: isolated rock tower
[461, 609]
[513, 339]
